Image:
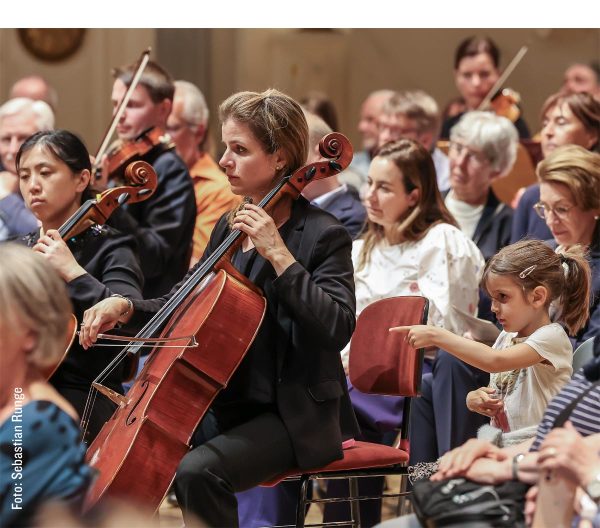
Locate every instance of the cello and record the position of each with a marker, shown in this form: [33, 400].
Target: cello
[141, 183]
[154, 423]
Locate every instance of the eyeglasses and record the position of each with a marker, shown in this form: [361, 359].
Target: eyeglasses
[173, 129]
[560, 211]
[459, 148]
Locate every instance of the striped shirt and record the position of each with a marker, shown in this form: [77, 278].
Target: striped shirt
[585, 416]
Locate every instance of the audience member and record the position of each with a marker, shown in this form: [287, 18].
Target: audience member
[339, 199]
[321, 105]
[570, 205]
[411, 247]
[581, 77]
[531, 359]
[567, 119]
[368, 127]
[483, 462]
[415, 115]
[188, 127]
[42, 457]
[19, 119]
[37, 88]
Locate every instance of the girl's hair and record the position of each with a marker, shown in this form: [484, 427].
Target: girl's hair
[585, 108]
[472, 46]
[566, 276]
[34, 296]
[65, 146]
[418, 172]
[578, 169]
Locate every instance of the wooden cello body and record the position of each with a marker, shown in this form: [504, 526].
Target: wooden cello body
[174, 390]
[219, 312]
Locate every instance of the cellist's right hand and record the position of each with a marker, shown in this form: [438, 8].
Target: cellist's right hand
[102, 317]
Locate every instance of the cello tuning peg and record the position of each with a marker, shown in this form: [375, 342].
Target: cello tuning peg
[123, 198]
[144, 192]
[334, 165]
[310, 173]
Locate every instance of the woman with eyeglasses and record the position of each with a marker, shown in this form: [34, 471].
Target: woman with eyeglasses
[570, 205]
[567, 119]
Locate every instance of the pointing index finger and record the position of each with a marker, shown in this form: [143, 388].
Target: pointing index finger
[400, 329]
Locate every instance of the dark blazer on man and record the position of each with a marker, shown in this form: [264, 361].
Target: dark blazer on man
[311, 309]
[163, 225]
[348, 209]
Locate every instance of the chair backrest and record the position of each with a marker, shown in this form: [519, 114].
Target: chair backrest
[382, 362]
[583, 354]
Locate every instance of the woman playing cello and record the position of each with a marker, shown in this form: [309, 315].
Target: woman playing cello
[287, 404]
[54, 175]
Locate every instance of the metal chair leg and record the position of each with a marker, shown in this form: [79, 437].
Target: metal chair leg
[354, 502]
[301, 506]
[404, 506]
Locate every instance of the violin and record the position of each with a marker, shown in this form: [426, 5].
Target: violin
[153, 425]
[122, 160]
[142, 182]
[122, 153]
[505, 102]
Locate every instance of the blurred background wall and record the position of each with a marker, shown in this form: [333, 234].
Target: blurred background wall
[346, 64]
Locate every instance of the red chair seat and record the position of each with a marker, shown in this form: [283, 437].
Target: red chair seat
[361, 455]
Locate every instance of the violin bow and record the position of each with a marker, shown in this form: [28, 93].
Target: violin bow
[505, 74]
[144, 58]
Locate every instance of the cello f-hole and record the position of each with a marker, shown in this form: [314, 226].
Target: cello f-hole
[130, 418]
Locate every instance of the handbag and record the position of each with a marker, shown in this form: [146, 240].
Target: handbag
[461, 502]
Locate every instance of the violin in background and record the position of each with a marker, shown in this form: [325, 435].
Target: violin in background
[505, 102]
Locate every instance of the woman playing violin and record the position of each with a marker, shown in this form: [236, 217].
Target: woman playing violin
[54, 176]
[476, 70]
[287, 404]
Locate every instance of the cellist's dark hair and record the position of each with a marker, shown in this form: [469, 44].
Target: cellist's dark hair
[64, 146]
[472, 46]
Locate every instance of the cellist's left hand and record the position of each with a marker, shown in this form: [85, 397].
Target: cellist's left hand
[54, 249]
[263, 233]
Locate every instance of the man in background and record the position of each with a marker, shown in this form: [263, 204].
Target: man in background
[19, 119]
[415, 115]
[188, 127]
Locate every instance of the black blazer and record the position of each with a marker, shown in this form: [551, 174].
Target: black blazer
[163, 225]
[348, 209]
[315, 316]
[492, 232]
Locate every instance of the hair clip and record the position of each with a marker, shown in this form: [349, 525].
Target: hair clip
[527, 271]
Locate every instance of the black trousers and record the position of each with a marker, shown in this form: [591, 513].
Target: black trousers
[439, 419]
[232, 454]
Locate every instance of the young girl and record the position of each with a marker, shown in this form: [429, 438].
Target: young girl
[531, 359]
